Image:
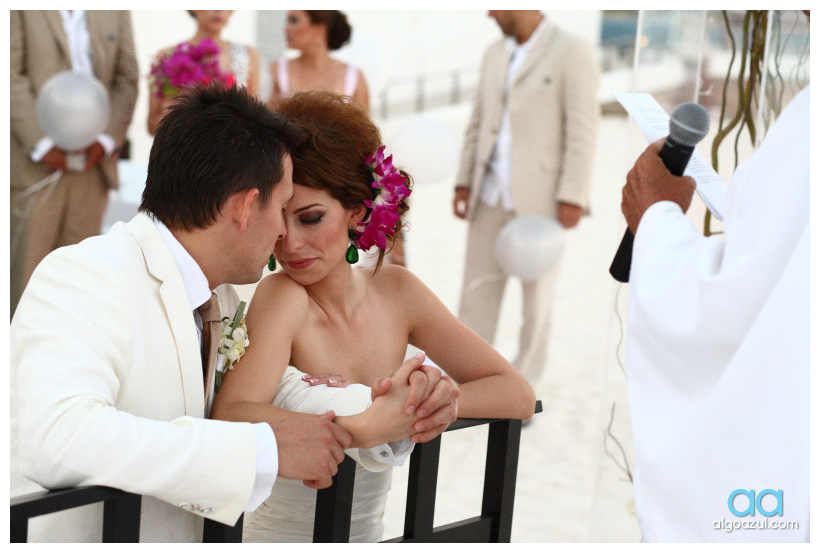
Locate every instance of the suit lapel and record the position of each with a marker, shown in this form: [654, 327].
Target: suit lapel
[101, 37]
[161, 265]
[96, 39]
[55, 24]
[537, 53]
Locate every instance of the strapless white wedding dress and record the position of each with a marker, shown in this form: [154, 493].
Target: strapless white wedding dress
[288, 514]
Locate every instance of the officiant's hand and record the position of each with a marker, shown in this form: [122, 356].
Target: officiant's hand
[310, 448]
[649, 182]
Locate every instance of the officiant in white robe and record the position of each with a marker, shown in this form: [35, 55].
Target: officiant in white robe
[717, 348]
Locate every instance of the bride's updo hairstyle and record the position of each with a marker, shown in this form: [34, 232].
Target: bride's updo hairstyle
[338, 29]
[336, 138]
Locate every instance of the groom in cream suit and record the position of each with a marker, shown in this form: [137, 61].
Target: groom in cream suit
[108, 382]
[44, 43]
[528, 149]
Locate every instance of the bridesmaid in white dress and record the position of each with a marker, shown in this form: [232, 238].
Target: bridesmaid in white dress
[321, 314]
[315, 33]
[236, 58]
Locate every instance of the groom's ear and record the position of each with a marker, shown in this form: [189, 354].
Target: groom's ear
[240, 206]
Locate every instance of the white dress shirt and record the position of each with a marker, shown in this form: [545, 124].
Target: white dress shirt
[196, 286]
[75, 25]
[497, 185]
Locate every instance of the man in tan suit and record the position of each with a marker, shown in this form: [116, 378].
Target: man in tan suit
[43, 43]
[109, 381]
[528, 149]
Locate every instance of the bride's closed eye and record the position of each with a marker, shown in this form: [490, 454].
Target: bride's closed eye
[311, 219]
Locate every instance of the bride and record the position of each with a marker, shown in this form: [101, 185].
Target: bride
[320, 312]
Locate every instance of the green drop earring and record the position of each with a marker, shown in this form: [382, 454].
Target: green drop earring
[272, 264]
[352, 255]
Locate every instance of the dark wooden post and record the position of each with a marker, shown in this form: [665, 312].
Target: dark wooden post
[500, 476]
[334, 506]
[216, 532]
[421, 490]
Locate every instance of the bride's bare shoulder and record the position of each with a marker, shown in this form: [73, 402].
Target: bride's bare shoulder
[280, 292]
[398, 281]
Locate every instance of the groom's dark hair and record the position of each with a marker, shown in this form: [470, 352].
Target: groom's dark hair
[212, 143]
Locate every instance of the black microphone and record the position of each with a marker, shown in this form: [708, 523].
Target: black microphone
[688, 124]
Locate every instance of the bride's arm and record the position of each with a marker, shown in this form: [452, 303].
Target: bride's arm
[277, 311]
[490, 386]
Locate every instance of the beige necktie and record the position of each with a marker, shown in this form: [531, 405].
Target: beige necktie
[211, 316]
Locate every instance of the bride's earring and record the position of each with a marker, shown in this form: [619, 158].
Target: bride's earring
[272, 264]
[352, 255]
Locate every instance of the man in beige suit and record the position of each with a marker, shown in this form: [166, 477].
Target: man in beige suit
[43, 43]
[528, 149]
[108, 381]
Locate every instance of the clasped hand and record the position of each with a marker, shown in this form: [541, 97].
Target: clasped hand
[55, 158]
[418, 402]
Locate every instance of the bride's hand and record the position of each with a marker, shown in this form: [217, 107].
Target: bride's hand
[330, 380]
[388, 418]
[385, 420]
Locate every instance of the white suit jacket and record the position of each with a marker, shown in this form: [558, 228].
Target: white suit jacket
[553, 107]
[107, 389]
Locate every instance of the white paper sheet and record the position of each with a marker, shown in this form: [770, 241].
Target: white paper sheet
[654, 123]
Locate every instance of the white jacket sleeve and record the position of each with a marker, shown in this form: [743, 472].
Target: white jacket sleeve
[97, 397]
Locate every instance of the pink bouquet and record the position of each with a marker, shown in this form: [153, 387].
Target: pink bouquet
[187, 65]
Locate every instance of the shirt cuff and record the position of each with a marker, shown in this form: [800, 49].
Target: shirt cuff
[267, 465]
[376, 459]
[41, 149]
[108, 143]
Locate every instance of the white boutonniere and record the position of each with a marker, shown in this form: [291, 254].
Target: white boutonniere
[233, 342]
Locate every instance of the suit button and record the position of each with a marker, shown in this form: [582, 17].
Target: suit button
[198, 509]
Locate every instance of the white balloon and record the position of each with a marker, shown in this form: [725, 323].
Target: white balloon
[529, 245]
[425, 148]
[72, 109]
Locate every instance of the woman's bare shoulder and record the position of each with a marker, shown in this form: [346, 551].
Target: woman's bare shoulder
[399, 282]
[279, 285]
[280, 295]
